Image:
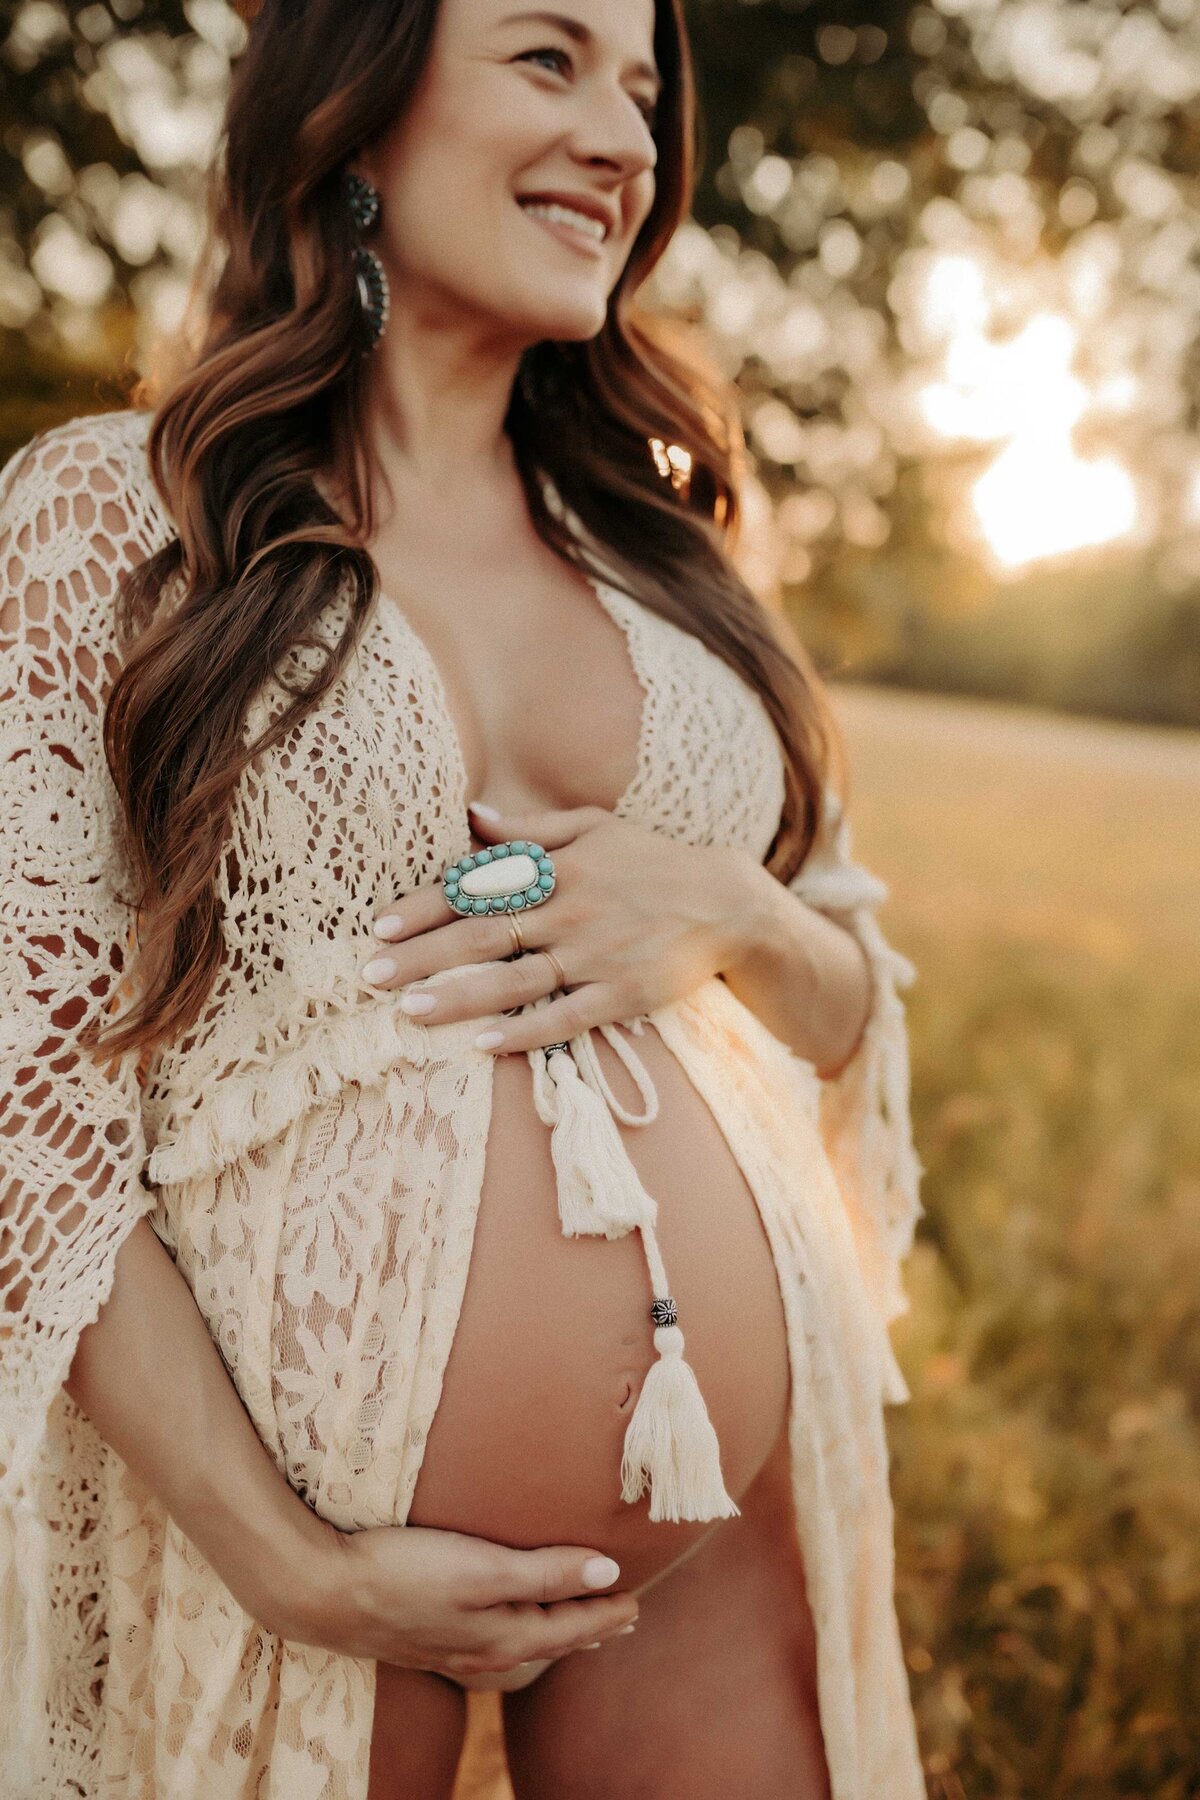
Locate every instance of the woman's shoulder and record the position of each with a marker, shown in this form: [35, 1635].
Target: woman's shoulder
[90, 477]
[77, 505]
[62, 453]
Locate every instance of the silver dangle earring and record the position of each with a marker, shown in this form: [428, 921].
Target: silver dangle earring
[362, 198]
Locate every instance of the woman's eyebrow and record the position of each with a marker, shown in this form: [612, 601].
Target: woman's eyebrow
[580, 34]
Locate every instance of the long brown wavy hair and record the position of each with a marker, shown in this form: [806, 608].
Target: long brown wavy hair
[266, 397]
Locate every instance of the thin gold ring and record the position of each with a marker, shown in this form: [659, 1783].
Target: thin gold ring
[518, 942]
[556, 966]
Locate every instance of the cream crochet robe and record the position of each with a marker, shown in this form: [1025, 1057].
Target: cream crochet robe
[313, 1159]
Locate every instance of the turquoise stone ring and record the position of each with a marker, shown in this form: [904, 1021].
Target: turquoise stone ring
[509, 877]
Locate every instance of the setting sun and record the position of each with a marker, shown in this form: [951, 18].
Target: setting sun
[1039, 497]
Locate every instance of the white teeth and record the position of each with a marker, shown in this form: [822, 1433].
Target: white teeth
[566, 215]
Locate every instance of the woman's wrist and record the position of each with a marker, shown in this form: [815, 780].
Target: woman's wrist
[755, 914]
[804, 975]
[285, 1564]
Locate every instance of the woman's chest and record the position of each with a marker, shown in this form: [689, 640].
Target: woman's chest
[542, 701]
[366, 797]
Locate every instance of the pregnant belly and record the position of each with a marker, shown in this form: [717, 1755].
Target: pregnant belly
[555, 1338]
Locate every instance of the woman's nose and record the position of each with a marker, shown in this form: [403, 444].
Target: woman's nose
[612, 130]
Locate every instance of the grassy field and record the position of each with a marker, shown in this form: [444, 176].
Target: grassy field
[1044, 875]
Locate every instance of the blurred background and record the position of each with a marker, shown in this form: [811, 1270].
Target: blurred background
[951, 256]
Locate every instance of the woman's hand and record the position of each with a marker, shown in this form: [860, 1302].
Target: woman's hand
[637, 919]
[456, 1605]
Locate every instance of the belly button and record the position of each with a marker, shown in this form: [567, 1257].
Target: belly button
[627, 1394]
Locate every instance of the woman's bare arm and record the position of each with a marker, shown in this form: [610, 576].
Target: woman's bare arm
[150, 1378]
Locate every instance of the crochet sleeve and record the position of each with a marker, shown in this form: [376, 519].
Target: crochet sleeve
[71, 1144]
[866, 1118]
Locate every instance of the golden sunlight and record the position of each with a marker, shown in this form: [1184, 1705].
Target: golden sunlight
[1039, 498]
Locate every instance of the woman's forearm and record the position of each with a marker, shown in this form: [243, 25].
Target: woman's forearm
[150, 1378]
[803, 974]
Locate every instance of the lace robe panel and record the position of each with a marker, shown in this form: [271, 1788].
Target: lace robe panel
[296, 1081]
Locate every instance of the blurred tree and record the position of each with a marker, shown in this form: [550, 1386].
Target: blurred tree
[950, 253]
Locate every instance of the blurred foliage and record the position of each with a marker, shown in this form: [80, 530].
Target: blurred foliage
[1046, 1472]
[1095, 634]
[949, 252]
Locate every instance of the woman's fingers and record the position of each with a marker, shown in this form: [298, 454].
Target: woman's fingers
[595, 1003]
[532, 1633]
[570, 1624]
[444, 943]
[540, 1577]
[552, 828]
[479, 990]
[422, 1598]
[556, 1597]
[485, 990]
[422, 910]
[427, 906]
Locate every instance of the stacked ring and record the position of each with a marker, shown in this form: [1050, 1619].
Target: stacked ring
[508, 877]
[554, 964]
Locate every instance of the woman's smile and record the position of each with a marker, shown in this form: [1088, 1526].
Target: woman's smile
[576, 229]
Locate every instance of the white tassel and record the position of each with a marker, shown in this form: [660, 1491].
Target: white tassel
[599, 1193]
[590, 1069]
[671, 1442]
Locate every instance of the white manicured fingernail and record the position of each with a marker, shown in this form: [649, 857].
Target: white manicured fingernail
[418, 1003]
[379, 970]
[484, 812]
[595, 1646]
[600, 1571]
[388, 928]
[487, 1040]
[626, 1629]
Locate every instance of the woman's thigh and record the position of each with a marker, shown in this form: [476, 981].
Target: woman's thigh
[417, 1736]
[713, 1694]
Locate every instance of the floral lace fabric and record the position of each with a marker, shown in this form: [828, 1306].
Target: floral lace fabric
[314, 1159]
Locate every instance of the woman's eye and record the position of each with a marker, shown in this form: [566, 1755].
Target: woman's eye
[647, 108]
[548, 50]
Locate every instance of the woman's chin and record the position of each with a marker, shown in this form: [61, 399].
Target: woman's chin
[566, 331]
[575, 320]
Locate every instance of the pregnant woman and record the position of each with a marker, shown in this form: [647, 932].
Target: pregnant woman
[454, 1124]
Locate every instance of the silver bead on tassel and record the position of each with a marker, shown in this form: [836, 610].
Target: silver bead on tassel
[670, 1442]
